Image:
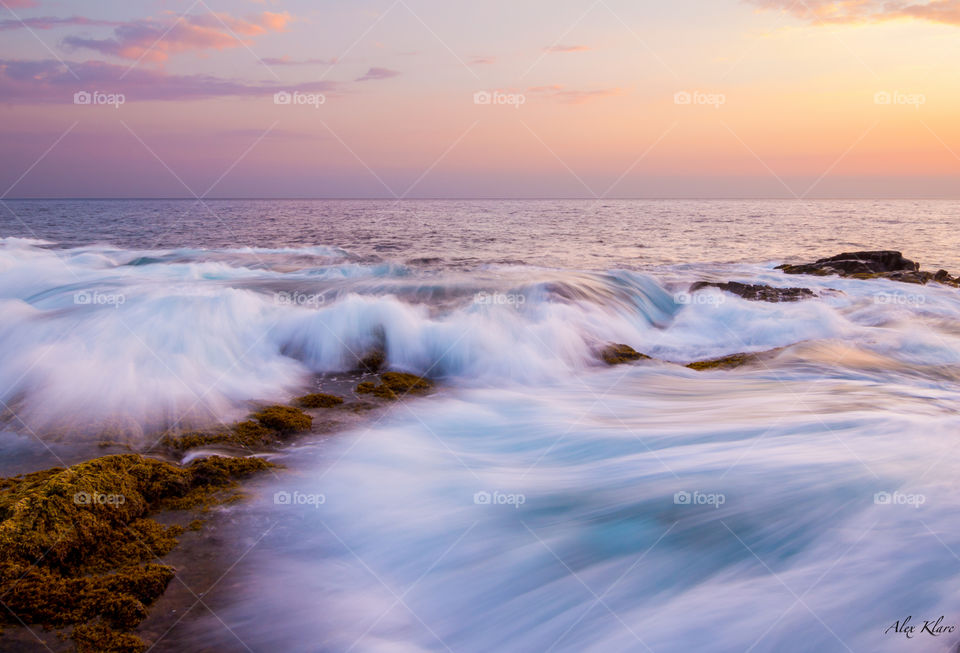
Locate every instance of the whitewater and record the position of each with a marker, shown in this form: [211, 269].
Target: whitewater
[539, 500]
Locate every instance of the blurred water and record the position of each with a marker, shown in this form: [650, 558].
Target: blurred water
[539, 501]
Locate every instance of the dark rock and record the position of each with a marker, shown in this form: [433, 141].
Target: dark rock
[851, 263]
[757, 293]
[618, 354]
[373, 361]
[735, 360]
[319, 400]
[393, 385]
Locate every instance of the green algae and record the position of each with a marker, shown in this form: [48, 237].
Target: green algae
[319, 400]
[79, 549]
[394, 384]
[284, 419]
[616, 354]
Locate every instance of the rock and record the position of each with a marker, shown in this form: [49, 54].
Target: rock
[372, 361]
[79, 547]
[727, 362]
[319, 400]
[734, 360]
[757, 293]
[395, 384]
[284, 419]
[850, 263]
[615, 354]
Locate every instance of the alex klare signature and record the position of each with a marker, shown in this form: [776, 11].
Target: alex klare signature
[910, 628]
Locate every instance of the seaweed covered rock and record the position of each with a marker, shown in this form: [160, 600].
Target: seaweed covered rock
[284, 419]
[756, 292]
[394, 384]
[735, 360]
[724, 363]
[319, 400]
[617, 354]
[77, 547]
[851, 263]
[372, 361]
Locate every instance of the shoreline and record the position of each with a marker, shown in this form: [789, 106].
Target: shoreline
[273, 431]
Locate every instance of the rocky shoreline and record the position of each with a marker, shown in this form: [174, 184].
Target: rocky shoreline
[82, 548]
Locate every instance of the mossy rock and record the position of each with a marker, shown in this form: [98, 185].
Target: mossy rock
[373, 361]
[284, 419]
[99, 638]
[615, 354]
[319, 400]
[395, 384]
[727, 362]
[78, 548]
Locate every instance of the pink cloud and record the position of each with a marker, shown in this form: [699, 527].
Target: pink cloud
[21, 4]
[49, 22]
[866, 11]
[287, 61]
[567, 48]
[377, 73]
[51, 81]
[156, 40]
[571, 96]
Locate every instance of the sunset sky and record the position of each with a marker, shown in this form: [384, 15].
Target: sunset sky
[592, 98]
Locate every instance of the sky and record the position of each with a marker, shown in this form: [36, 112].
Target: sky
[504, 98]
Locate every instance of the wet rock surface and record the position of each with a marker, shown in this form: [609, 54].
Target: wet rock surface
[756, 292]
[881, 264]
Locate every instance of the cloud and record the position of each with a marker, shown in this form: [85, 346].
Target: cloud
[567, 48]
[51, 81]
[20, 4]
[570, 96]
[155, 40]
[287, 61]
[866, 11]
[377, 73]
[479, 61]
[49, 22]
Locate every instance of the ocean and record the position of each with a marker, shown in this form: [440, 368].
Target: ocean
[538, 500]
